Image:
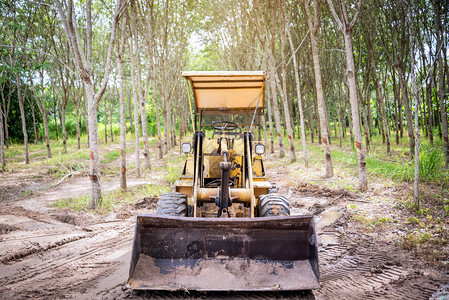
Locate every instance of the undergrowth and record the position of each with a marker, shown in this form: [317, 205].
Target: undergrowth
[111, 199]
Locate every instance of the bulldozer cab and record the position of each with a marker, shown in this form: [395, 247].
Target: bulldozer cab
[224, 227]
[227, 96]
[227, 106]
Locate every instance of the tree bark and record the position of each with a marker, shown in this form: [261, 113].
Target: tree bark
[5, 111]
[363, 182]
[159, 130]
[415, 93]
[408, 111]
[2, 140]
[277, 117]
[380, 97]
[270, 119]
[123, 184]
[313, 30]
[283, 89]
[22, 116]
[105, 105]
[77, 119]
[33, 114]
[441, 81]
[346, 29]
[300, 107]
[142, 95]
[136, 110]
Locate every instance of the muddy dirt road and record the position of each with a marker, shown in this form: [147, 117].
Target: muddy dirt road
[48, 253]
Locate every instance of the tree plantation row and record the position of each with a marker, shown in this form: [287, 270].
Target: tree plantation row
[354, 69]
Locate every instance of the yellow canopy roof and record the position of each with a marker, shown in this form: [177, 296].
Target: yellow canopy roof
[227, 90]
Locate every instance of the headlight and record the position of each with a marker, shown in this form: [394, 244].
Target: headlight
[186, 148]
[260, 149]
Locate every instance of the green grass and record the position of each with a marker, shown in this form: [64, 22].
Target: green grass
[110, 156]
[111, 199]
[399, 166]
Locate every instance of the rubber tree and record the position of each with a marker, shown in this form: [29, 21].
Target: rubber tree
[41, 105]
[83, 63]
[283, 89]
[416, 96]
[140, 91]
[346, 26]
[298, 94]
[136, 107]
[2, 134]
[314, 25]
[121, 76]
[441, 86]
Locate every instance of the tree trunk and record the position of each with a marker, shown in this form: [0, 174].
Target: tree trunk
[142, 96]
[380, 99]
[313, 30]
[264, 128]
[363, 183]
[300, 107]
[277, 117]
[348, 106]
[173, 116]
[159, 130]
[94, 170]
[111, 124]
[41, 106]
[165, 118]
[136, 111]
[364, 114]
[287, 119]
[408, 112]
[86, 122]
[55, 117]
[105, 105]
[270, 119]
[397, 115]
[22, 116]
[415, 93]
[5, 112]
[78, 133]
[339, 121]
[130, 110]
[2, 140]
[34, 122]
[283, 90]
[441, 83]
[64, 130]
[121, 76]
[43, 109]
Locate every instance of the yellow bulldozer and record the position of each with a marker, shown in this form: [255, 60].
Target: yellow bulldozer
[224, 227]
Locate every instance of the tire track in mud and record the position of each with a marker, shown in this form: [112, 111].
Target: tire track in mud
[66, 268]
[362, 271]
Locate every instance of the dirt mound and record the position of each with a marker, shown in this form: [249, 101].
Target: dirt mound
[308, 189]
[37, 248]
[66, 218]
[316, 209]
[4, 228]
[147, 202]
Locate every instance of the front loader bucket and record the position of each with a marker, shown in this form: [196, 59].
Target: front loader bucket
[219, 254]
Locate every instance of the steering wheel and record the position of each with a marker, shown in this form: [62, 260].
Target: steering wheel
[224, 125]
[228, 127]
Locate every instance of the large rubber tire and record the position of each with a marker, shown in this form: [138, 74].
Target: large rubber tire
[172, 204]
[273, 205]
